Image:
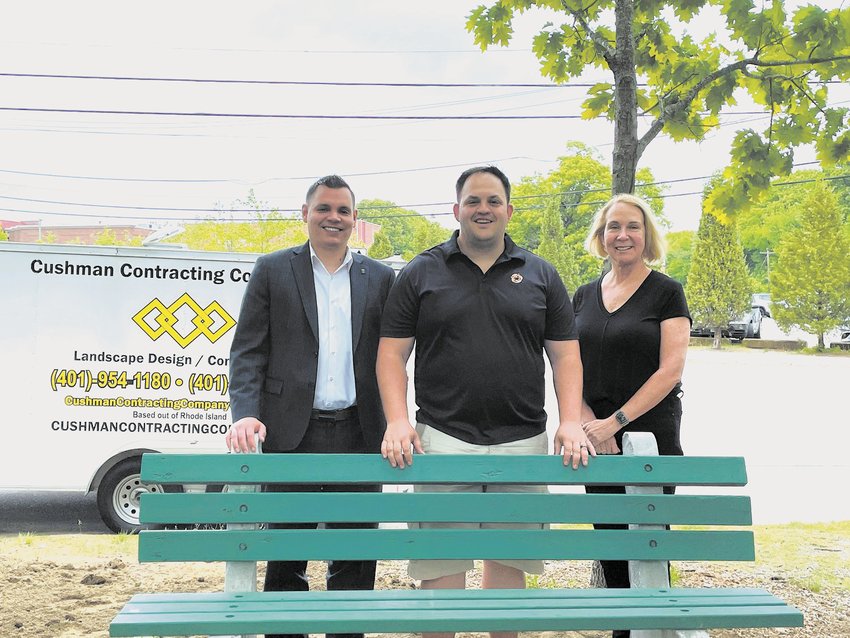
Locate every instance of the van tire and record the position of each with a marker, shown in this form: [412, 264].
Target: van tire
[118, 495]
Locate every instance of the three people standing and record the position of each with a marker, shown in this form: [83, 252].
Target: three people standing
[480, 312]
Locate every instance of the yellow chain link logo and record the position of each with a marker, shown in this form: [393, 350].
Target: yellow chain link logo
[166, 320]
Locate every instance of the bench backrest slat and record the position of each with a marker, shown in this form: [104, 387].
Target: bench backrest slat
[423, 507]
[399, 544]
[370, 468]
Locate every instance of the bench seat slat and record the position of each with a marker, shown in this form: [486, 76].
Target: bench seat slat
[400, 508]
[642, 609]
[343, 605]
[576, 594]
[441, 468]
[396, 544]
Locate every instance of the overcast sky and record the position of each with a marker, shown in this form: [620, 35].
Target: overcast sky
[55, 166]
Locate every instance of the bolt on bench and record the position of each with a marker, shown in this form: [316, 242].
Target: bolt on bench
[650, 605]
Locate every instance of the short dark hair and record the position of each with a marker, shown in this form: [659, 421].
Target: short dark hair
[329, 181]
[483, 169]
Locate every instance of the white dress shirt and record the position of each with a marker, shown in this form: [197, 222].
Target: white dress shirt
[335, 387]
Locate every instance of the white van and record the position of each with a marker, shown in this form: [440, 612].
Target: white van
[108, 353]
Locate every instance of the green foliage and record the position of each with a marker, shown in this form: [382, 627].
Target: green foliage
[679, 251]
[381, 247]
[426, 234]
[568, 257]
[269, 231]
[408, 232]
[783, 61]
[811, 283]
[559, 206]
[579, 185]
[108, 237]
[764, 224]
[718, 287]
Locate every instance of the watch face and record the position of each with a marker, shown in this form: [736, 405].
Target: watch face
[621, 418]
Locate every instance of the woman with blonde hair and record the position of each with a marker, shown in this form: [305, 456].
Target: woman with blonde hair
[634, 326]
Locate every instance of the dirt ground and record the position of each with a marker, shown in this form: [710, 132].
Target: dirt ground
[50, 588]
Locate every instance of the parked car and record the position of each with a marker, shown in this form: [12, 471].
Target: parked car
[762, 301]
[705, 331]
[844, 342]
[748, 325]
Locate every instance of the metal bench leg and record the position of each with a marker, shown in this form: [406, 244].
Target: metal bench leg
[650, 573]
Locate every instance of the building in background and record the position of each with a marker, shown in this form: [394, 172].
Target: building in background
[29, 232]
[84, 235]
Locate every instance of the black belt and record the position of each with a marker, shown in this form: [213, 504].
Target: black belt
[334, 415]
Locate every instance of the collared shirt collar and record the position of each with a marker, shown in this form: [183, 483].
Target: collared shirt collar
[346, 262]
[512, 251]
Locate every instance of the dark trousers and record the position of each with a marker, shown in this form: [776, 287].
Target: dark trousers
[663, 421]
[616, 571]
[323, 437]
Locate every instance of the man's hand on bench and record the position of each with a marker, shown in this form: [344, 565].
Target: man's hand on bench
[571, 441]
[242, 435]
[400, 442]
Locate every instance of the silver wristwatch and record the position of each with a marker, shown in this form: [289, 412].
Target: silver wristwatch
[621, 418]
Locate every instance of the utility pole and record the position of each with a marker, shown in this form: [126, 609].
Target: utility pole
[767, 253]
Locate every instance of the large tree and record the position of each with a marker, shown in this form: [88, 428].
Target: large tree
[764, 224]
[566, 256]
[408, 232]
[381, 247]
[679, 251]
[580, 185]
[682, 84]
[718, 289]
[553, 211]
[268, 230]
[811, 281]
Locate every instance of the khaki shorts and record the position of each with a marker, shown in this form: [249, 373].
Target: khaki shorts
[436, 442]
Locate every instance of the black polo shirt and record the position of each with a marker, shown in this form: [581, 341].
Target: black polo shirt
[620, 350]
[479, 373]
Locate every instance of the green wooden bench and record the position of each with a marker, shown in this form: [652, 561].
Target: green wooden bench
[650, 605]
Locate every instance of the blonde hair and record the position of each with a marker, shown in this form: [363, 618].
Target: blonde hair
[654, 246]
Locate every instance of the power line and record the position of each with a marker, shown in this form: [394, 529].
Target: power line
[127, 78]
[290, 116]
[271, 179]
[473, 51]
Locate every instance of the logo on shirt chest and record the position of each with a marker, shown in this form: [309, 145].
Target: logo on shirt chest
[516, 278]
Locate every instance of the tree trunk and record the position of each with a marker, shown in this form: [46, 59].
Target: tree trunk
[597, 576]
[821, 342]
[625, 101]
[717, 344]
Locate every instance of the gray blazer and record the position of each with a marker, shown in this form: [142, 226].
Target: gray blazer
[275, 351]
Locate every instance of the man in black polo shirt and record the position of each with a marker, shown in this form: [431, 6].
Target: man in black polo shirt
[480, 311]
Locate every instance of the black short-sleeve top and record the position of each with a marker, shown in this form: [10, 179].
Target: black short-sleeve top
[479, 370]
[620, 350]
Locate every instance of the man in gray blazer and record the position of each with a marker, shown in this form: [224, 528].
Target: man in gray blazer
[302, 363]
